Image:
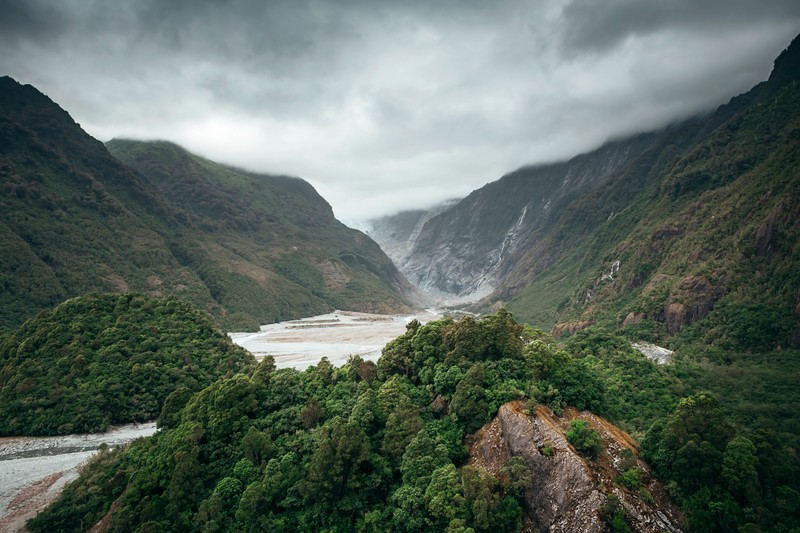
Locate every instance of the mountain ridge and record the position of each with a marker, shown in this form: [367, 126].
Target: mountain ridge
[76, 219]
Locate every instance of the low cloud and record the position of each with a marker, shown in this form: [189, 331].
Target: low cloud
[383, 105]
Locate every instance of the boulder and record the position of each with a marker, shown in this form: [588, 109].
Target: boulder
[691, 298]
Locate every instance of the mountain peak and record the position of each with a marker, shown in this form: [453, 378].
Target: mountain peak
[17, 96]
[787, 65]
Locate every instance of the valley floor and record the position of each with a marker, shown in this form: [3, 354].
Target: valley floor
[338, 335]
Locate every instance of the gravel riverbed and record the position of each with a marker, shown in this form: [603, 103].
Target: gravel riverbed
[34, 470]
[338, 335]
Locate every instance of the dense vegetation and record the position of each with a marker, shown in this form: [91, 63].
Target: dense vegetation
[107, 359]
[380, 447]
[728, 449]
[361, 447]
[250, 249]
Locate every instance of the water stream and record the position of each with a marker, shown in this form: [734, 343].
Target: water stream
[34, 470]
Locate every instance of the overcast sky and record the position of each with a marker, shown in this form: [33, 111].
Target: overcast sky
[384, 105]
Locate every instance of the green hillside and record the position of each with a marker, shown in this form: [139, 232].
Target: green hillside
[361, 447]
[707, 245]
[249, 249]
[266, 240]
[99, 360]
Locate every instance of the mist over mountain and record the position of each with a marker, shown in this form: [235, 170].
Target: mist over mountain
[249, 248]
[650, 231]
[546, 410]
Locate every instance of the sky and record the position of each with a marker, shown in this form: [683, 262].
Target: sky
[389, 105]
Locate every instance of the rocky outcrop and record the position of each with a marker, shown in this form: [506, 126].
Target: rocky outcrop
[568, 491]
[691, 298]
[632, 319]
[569, 328]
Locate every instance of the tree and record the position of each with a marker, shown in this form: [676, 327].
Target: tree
[250, 513]
[256, 446]
[585, 439]
[343, 448]
[444, 497]
[580, 386]
[264, 370]
[422, 456]
[698, 417]
[483, 496]
[170, 415]
[402, 425]
[410, 509]
[740, 469]
[219, 508]
[518, 477]
[311, 414]
[469, 405]
[366, 413]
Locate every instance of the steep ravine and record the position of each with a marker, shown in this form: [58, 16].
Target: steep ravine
[464, 251]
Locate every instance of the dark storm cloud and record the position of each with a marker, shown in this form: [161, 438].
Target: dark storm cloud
[385, 105]
[29, 20]
[599, 25]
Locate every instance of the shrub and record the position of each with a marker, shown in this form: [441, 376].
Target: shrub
[585, 439]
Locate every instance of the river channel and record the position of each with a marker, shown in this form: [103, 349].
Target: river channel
[34, 470]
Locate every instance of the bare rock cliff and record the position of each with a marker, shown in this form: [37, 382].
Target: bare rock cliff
[569, 491]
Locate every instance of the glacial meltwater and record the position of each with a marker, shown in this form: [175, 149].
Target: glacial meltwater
[34, 470]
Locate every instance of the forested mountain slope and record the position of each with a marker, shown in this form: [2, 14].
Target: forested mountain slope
[274, 235]
[711, 236]
[381, 447]
[250, 249]
[653, 232]
[478, 423]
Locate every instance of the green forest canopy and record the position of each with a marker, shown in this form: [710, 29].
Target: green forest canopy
[105, 359]
[379, 447]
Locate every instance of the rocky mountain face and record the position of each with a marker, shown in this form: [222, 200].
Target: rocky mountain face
[654, 232]
[466, 251]
[396, 234]
[251, 249]
[568, 491]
